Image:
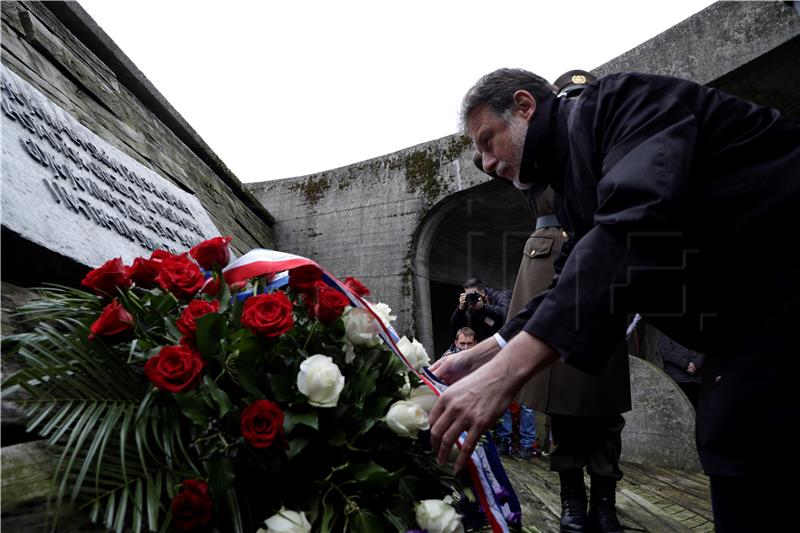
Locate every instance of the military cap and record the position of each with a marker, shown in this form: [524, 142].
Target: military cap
[572, 81]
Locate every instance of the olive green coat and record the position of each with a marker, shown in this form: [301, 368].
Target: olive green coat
[560, 388]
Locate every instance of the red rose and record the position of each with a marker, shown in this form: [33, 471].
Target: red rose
[112, 321]
[187, 323]
[268, 314]
[143, 271]
[191, 507]
[309, 299]
[212, 252]
[262, 423]
[237, 286]
[189, 342]
[356, 286]
[303, 278]
[329, 304]
[174, 369]
[180, 276]
[105, 279]
[212, 286]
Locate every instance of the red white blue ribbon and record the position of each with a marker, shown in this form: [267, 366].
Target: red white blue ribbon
[485, 468]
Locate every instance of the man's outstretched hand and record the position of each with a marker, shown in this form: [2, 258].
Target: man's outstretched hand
[475, 402]
[455, 366]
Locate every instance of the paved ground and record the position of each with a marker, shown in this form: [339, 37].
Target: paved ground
[649, 498]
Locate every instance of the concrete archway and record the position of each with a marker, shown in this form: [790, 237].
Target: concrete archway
[478, 232]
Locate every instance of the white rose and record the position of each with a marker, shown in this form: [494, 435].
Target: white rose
[320, 380]
[407, 418]
[414, 352]
[285, 521]
[424, 397]
[406, 388]
[383, 311]
[349, 352]
[359, 327]
[438, 516]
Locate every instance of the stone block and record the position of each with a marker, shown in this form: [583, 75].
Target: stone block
[68, 190]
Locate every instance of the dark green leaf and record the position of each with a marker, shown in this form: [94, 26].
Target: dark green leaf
[233, 509]
[291, 419]
[370, 473]
[249, 380]
[282, 387]
[221, 476]
[366, 522]
[210, 330]
[193, 406]
[396, 521]
[162, 303]
[251, 349]
[224, 296]
[296, 445]
[328, 519]
[172, 329]
[338, 438]
[219, 396]
[376, 407]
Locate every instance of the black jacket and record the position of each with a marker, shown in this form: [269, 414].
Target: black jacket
[488, 319]
[676, 360]
[682, 204]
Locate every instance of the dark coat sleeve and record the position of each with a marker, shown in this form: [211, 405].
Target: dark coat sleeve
[673, 353]
[645, 140]
[458, 320]
[498, 308]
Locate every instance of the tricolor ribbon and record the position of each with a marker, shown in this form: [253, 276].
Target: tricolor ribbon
[485, 468]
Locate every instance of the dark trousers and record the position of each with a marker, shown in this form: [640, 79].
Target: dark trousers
[593, 442]
[692, 391]
[763, 502]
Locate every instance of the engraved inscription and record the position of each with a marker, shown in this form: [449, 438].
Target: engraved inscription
[84, 177]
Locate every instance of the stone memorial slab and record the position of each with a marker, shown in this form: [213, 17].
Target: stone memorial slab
[659, 430]
[66, 189]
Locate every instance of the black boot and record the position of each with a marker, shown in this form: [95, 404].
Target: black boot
[602, 506]
[573, 502]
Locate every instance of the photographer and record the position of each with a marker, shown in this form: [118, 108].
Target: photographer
[481, 308]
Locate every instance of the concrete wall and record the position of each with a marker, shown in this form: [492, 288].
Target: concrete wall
[394, 220]
[379, 218]
[362, 219]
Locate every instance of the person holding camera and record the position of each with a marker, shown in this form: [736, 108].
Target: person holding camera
[481, 308]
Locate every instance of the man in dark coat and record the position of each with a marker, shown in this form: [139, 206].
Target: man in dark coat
[585, 410]
[665, 186]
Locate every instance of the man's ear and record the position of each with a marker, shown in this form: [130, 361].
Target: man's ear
[525, 103]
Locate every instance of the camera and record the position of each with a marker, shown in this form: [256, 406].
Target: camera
[472, 299]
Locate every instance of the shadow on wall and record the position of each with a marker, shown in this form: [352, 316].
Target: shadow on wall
[479, 232]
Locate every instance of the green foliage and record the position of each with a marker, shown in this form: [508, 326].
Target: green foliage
[92, 405]
[125, 446]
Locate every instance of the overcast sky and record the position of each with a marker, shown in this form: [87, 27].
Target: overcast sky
[288, 88]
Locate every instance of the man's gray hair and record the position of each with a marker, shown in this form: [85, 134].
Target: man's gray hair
[496, 91]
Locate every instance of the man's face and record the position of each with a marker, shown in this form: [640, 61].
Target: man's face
[500, 141]
[465, 342]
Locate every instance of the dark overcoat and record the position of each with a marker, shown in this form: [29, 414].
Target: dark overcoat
[682, 204]
[561, 388]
